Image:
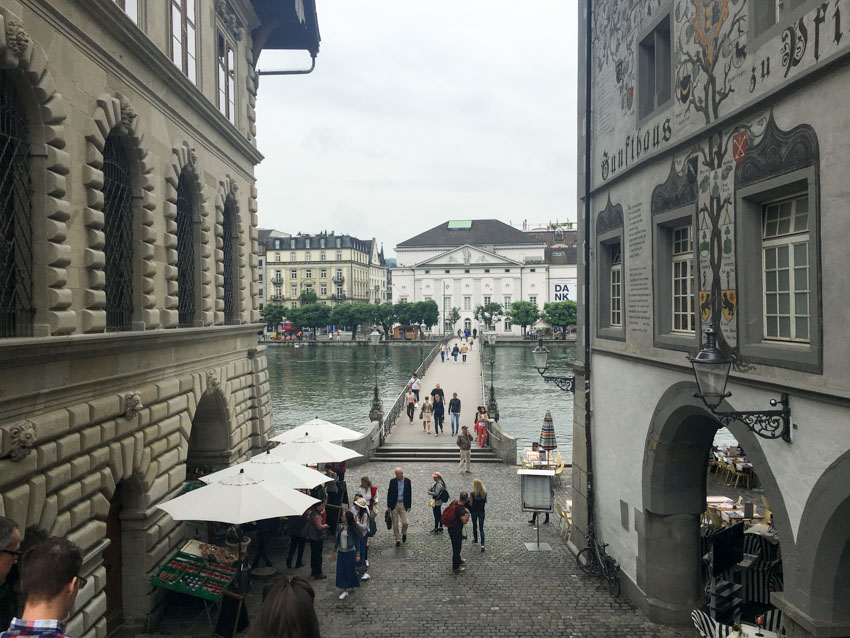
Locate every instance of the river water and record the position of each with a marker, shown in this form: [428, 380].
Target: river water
[336, 384]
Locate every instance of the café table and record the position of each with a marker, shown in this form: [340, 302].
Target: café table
[539, 459]
[737, 514]
[712, 500]
[751, 631]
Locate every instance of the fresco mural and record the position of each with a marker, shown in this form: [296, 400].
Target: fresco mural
[716, 71]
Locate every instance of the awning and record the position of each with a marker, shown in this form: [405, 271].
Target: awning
[286, 24]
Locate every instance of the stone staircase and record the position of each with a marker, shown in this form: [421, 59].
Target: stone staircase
[401, 453]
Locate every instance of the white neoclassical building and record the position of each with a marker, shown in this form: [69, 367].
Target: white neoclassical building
[467, 263]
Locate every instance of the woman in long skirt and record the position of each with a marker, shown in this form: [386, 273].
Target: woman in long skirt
[362, 520]
[347, 554]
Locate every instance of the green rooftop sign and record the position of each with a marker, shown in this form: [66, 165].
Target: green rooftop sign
[463, 224]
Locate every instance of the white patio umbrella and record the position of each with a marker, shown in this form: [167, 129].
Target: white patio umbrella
[236, 500]
[308, 451]
[318, 429]
[272, 468]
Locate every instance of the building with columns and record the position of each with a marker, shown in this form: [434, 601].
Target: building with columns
[128, 272]
[467, 263]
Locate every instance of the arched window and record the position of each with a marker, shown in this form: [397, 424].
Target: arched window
[118, 240]
[185, 253]
[16, 307]
[227, 248]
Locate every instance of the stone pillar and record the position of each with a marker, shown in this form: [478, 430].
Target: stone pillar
[580, 464]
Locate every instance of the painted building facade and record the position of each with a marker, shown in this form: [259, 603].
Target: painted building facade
[338, 268]
[718, 197]
[467, 264]
[128, 272]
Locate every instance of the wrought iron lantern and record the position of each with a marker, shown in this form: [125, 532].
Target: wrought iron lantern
[375, 336]
[711, 370]
[541, 355]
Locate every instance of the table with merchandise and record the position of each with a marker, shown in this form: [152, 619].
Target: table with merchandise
[197, 569]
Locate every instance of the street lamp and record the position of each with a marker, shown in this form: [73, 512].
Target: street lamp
[492, 406]
[375, 336]
[422, 327]
[711, 369]
[541, 354]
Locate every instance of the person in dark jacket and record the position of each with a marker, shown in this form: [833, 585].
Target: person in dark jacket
[296, 529]
[316, 529]
[477, 502]
[439, 410]
[454, 413]
[436, 493]
[399, 499]
[456, 530]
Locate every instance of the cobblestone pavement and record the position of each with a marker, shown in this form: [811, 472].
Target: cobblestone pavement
[506, 591]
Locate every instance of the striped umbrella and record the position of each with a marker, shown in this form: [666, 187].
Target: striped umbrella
[547, 434]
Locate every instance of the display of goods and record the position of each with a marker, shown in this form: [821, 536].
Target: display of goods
[216, 553]
[183, 566]
[213, 588]
[217, 576]
[168, 577]
[191, 582]
[224, 569]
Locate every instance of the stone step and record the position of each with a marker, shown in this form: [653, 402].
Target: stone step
[438, 453]
[428, 459]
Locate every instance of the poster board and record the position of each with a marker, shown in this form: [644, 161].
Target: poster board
[538, 491]
[232, 616]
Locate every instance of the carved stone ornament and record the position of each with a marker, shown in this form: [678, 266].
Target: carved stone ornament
[20, 441]
[234, 189]
[132, 405]
[16, 38]
[229, 18]
[611, 218]
[127, 114]
[213, 384]
[192, 156]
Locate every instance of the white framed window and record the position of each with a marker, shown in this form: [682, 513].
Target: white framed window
[339, 256]
[294, 291]
[507, 302]
[682, 284]
[507, 324]
[307, 256]
[533, 300]
[226, 77]
[323, 274]
[293, 274]
[293, 257]
[447, 303]
[324, 289]
[615, 289]
[277, 256]
[322, 255]
[785, 269]
[308, 274]
[292, 244]
[183, 46]
[486, 300]
[467, 303]
[278, 293]
[131, 8]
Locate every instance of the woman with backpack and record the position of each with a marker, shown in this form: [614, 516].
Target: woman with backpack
[438, 495]
[425, 413]
[478, 499]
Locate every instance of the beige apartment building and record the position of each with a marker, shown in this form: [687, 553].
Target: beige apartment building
[338, 268]
[128, 272]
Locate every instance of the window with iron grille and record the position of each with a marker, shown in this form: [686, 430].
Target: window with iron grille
[185, 253]
[16, 307]
[118, 235]
[226, 78]
[183, 37]
[227, 241]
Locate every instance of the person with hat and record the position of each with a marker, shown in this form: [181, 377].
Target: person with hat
[464, 443]
[437, 492]
[362, 519]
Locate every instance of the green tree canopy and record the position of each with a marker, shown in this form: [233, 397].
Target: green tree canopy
[341, 315]
[560, 314]
[273, 314]
[361, 314]
[386, 315]
[308, 297]
[489, 314]
[429, 312]
[454, 316]
[523, 313]
[314, 316]
[293, 316]
[406, 313]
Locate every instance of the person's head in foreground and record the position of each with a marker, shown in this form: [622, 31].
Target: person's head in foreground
[10, 546]
[287, 611]
[50, 579]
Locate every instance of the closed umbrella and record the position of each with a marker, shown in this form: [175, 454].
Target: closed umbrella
[270, 467]
[547, 433]
[318, 429]
[238, 499]
[308, 451]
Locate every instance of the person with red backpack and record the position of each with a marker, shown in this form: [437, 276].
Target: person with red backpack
[454, 517]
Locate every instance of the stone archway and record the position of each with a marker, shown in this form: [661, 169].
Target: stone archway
[49, 211]
[675, 467]
[209, 445]
[817, 593]
[115, 114]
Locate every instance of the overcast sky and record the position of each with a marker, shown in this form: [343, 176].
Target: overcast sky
[419, 112]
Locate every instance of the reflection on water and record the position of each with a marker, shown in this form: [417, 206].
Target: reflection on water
[335, 383]
[524, 397]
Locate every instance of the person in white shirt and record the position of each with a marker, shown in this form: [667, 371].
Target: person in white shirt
[414, 384]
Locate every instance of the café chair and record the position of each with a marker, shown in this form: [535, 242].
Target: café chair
[525, 463]
[564, 522]
[740, 474]
[773, 621]
[560, 470]
[716, 520]
[708, 627]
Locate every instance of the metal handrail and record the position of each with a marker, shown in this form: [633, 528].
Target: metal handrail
[392, 415]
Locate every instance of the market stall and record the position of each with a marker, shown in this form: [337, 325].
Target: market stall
[197, 569]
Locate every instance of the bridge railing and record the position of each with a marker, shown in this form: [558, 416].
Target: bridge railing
[398, 405]
[502, 443]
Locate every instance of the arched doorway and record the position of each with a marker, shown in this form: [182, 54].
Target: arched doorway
[126, 503]
[674, 482]
[209, 442]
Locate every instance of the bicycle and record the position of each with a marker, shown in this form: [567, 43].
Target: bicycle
[594, 560]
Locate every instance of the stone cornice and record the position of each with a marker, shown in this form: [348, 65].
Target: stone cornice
[112, 18]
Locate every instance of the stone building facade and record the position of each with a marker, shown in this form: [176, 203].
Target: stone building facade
[718, 191]
[128, 271]
[338, 268]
